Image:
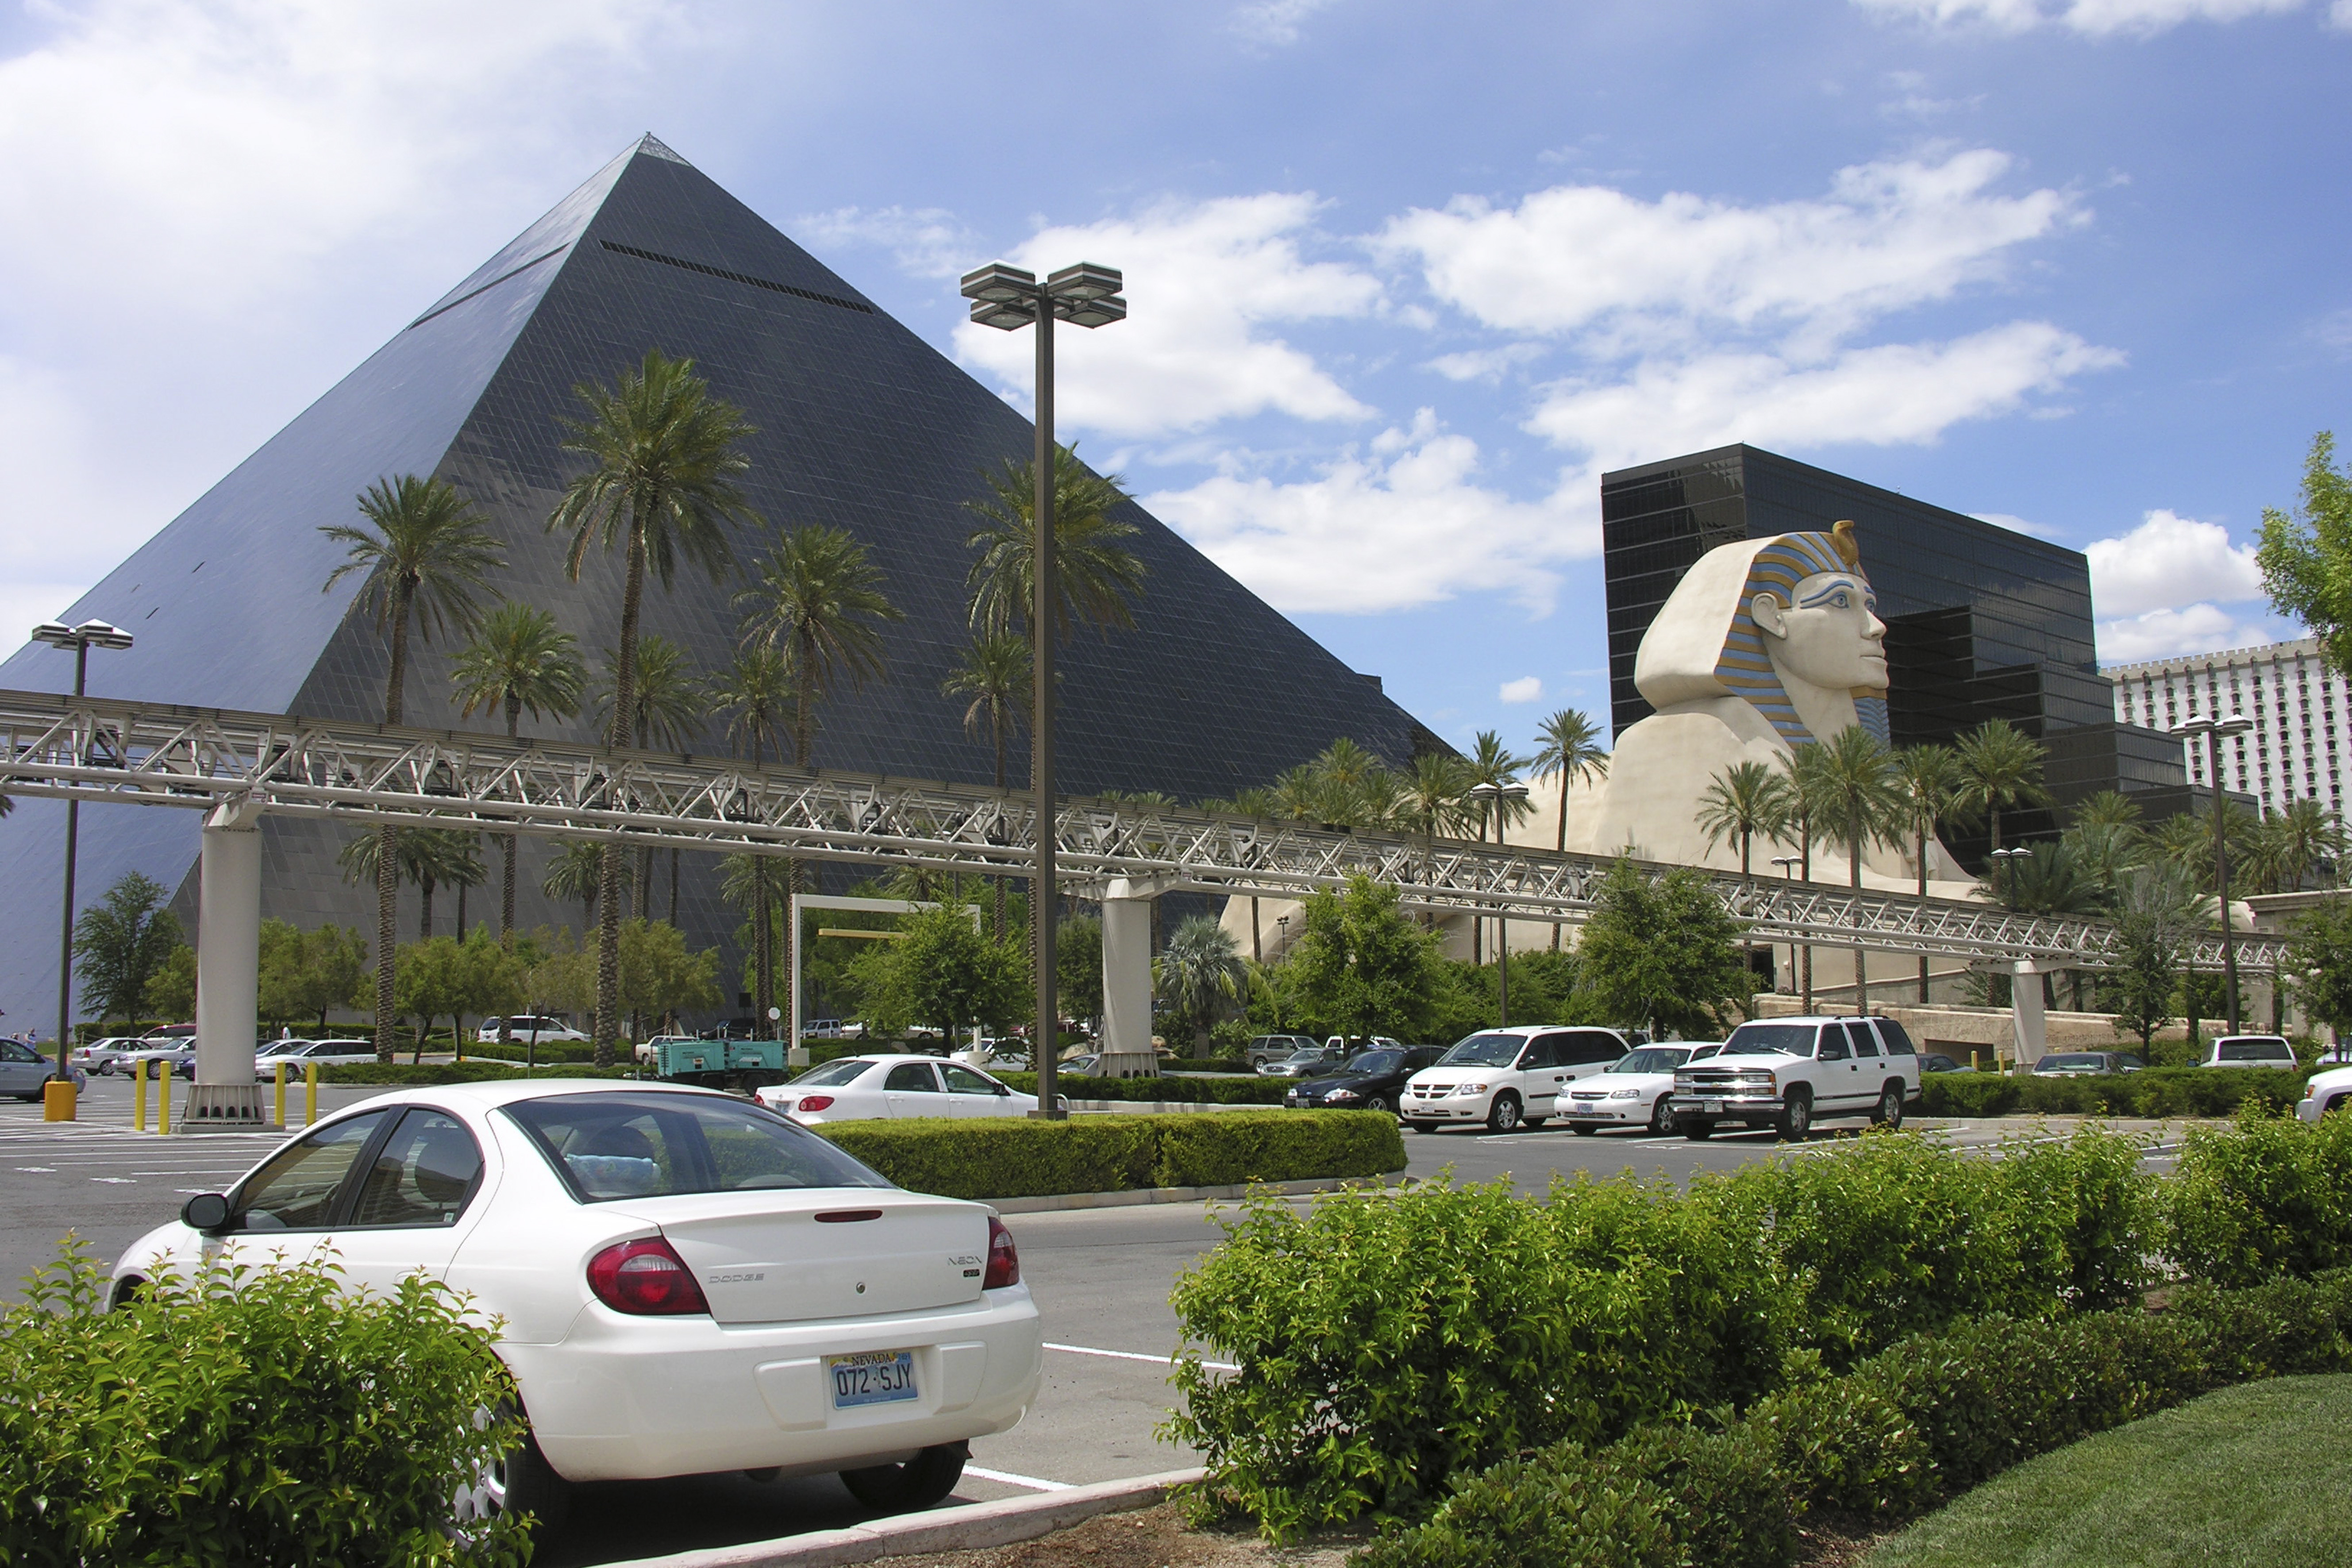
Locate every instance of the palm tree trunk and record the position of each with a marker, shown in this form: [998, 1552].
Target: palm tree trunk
[997, 729]
[674, 854]
[1559, 839]
[1923, 893]
[387, 910]
[461, 911]
[425, 909]
[608, 878]
[1860, 975]
[506, 882]
[803, 747]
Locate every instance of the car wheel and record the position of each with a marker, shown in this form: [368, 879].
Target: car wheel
[916, 1484]
[1383, 1102]
[1890, 1107]
[1584, 1130]
[106, 1069]
[1503, 1116]
[520, 1480]
[1695, 1131]
[1661, 1116]
[1795, 1117]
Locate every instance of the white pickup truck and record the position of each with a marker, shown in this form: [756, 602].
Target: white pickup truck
[1789, 1073]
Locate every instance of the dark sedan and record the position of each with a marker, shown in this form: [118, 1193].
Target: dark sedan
[1369, 1081]
[2086, 1064]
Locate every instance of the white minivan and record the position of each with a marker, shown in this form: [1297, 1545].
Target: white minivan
[1506, 1078]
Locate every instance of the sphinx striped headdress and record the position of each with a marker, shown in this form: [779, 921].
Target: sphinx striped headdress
[1746, 670]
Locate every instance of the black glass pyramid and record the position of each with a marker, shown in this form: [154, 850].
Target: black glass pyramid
[861, 425]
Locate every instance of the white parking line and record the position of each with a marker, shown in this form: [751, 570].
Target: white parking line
[1010, 1479]
[1137, 1355]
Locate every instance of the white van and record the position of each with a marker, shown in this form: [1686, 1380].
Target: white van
[1506, 1078]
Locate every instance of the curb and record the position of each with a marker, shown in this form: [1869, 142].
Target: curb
[968, 1528]
[1141, 1196]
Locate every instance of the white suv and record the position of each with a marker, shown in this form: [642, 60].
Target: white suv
[526, 1027]
[2251, 1051]
[1506, 1078]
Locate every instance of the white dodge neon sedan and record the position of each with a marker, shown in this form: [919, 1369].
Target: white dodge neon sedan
[686, 1284]
[861, 1088]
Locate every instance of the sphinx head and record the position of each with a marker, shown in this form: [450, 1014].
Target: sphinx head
[1787, 624]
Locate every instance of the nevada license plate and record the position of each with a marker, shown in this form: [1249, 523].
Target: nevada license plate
[1588, 1111]
[874, 1377]
[1711, 1105]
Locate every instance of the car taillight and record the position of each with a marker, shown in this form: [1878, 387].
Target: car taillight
[646, 1278]
[1003, 1262]
[813, 1102]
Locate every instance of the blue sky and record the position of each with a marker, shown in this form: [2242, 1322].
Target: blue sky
[1406, 278]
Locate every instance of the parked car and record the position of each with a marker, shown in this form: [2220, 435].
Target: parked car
[2326, 1091]
[163, 1034]
[1003, 1055]
[1264, 1048]
[2087, 1064]
[862, 1089]
[1369, 1081]
[672, 1272]
[1506, 1078]
[1083, 1066]
[320, 1053]
[103, 1057]
[649, 1052]
[1788, 1073]
[526, 1026]
[1935, 1062]
[1637, 1089]
[1307, 1061]
[176, 1054]
[25, 1072]
[2251, 1051]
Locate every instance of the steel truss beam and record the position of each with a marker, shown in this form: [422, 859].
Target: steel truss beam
[109, 750]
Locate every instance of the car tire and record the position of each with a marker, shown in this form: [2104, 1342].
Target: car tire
[1584, 1130]
[1695, 1131]
[1503, 1115]
[1796, 1118]
[1661, 1116]
[1383, 1102]
[520, 1481]
[918, 1483]
[1890, 1107]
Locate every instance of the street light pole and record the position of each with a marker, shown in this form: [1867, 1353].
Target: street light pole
[80, 640]
[1007, 298]
[1801, 960]
[2215, 731]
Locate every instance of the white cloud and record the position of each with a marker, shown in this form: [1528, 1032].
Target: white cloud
[1888, 236]
[1401, 524]
[1274, 22]
[2092, 18]
[2171, 560]
[926, 242]
[2025, 525]
[2193, 628]
[1526, 688]
[1892, 393]
[1203, 280]
[1483, 364]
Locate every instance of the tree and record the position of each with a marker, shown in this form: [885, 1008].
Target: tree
[1927, 780]
[1078, 963]
[1567, 744]
[2306, 556]
[669, 708]
[1999, 766]
[2304, 840]
[663, 455]
[303, 973]
[2156, 914]
[755, 690]
[1096, 573]
[1361, 967]
[1861, 805]
[661, 977]
[121, 941]
[429, 859]
[577, 871]
[1660, 953]
[818, 601]
[1746, 800]
[448, 976]
[1491, 763]
[426, 558]
[171, 991]
[997, 675]
[947, 974]
[519, 662]
[1431, 802]
[1197, 974]
[2321, 953]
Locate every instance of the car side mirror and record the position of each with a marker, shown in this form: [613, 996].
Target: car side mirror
[1001, 1091]
[206, 1212]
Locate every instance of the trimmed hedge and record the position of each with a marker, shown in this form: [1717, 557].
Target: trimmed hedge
[1923, 1421]
[549, 1051]
[2158, 1091]
[2262, 1197]
[1013, 1157]
[1250, 1091]
[453, 1072]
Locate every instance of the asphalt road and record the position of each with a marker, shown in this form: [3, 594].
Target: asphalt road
[1101, 1279]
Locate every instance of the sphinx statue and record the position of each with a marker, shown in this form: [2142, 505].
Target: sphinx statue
[1764, 646]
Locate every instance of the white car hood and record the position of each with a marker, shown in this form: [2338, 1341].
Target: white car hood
[1608, 1083]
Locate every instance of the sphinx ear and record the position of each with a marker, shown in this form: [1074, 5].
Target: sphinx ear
[1770, 614]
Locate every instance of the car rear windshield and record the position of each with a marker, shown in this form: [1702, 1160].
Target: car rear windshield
[1782, 1039]
[1488, 1050]
[2254, 1050]
[2070, 1063]
[832, 1074]
[1651, 1058]
[644, 1145]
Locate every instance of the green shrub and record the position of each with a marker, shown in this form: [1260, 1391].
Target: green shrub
[2262, 1197]
[1250, 1091]
[453, 1072]
[2158, 1091]
[1013, 1157]
[267, 1417]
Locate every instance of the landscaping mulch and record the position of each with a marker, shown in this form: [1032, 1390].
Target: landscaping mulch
[1833, 1541]
[1154, 1538]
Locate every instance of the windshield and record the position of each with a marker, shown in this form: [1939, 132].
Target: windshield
[609, 1146]
[2073, 1064]
[1308, 1054]
[1771, 1039]
[832, 1074]
[2254, 1050]
[1375, 1061]
[1650, 1058]
[1488, 1050]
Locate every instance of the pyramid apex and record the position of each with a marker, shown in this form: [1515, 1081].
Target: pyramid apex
[653, 146]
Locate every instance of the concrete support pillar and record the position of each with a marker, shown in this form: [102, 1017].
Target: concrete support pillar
[1126, 979]
[229, 969]
[2025, 1013]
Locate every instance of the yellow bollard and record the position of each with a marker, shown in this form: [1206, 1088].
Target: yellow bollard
[139, 1095]
[163, 1098]
[281, 1094]
[57, 1101]
[310, 1093]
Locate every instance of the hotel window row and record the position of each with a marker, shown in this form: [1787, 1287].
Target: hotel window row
[2299, 708]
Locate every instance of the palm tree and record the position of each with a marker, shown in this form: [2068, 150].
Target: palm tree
[429, 859]
[756, 689]
[1805, 791]
[2108, 808]
[663, 456]
[1999, 766]
[1567, 744]
[577, 871]
[1745, 800]
[1928, 778]
[519, 661]
[1297, 794]
[1095, 572]
[2053, 881]
[1200, 968]
[669, 703]
[2309, 841]
[997, 675]
[425, 560]
[1860, 804]
[818, 601]
[1491, 762]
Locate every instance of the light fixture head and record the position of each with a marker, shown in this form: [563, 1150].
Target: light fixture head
[1099, 313]
[999, 282]
[90, 633]
[1005, 315]
[57, 634]
[2236, 724]
[1086, 280]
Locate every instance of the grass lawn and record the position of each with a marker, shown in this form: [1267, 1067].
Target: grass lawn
[2253, 1475]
